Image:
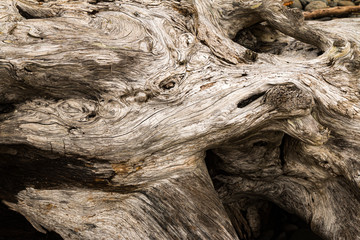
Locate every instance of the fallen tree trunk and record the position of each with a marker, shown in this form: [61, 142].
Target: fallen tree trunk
[152, 120]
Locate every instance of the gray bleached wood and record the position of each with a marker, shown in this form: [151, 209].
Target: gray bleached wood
[108, 107]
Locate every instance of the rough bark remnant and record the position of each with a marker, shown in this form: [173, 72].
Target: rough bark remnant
[107, 109]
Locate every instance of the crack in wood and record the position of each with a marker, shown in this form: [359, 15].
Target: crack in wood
[25, 14]
[250, 99]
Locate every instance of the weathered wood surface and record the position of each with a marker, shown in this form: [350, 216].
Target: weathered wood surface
[108, 107]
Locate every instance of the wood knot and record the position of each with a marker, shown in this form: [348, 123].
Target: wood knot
[339, 43]
[289, 97]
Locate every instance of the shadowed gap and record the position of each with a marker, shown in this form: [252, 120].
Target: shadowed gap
[25, 14]
[276, 223]
[249, 100]
[14, 226]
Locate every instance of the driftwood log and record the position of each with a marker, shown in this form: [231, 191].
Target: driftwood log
[332, 12]
[177, 119]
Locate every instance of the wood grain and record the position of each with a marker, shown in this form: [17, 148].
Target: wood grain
[107, 109]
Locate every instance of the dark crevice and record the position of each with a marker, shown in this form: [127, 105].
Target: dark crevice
[98, 1]
[238, 219]
[279, 224]
[14, 226]
[25, 14]
[6, 108]
[211, 160]
[249, 100]
[91, 115]
[93, 12]
[22, 166]
[275, 223]
[319, 53]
